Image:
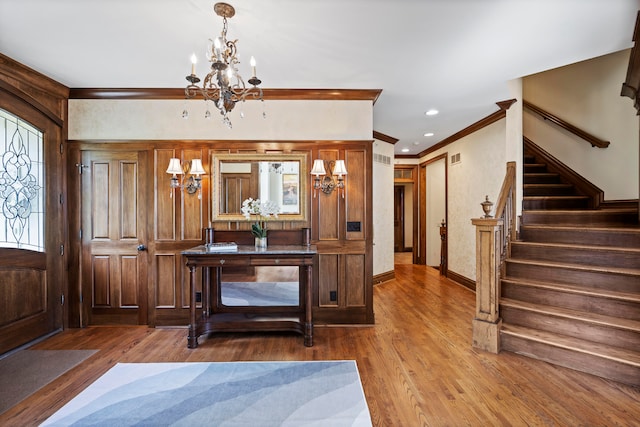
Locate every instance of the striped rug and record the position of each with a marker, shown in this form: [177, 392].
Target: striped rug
[319, 393]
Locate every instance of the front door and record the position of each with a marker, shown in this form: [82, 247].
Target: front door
[114, 224]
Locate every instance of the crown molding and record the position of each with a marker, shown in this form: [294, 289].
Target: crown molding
[268, 94]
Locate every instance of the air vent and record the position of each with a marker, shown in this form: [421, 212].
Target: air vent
[455, 159]
[381, 158]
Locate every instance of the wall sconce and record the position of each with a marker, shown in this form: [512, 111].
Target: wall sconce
[328, 183]
[193, 183]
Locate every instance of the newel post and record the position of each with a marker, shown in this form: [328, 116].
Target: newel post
[487, 321]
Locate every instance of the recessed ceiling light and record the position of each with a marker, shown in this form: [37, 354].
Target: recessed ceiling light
[431, 112]
[405, 150]
[428, 134]
[416, 143]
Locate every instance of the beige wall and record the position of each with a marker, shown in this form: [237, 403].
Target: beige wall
[480, 172]
[587, 94]
[162, 119]
[382, 210]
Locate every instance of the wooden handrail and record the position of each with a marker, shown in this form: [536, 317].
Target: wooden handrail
[593, 140]
[506, 211]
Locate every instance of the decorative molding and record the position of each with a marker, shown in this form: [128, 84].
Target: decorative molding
[385, 138]
[631, 84]
[482, 123]
[269, 94]
[460, 279]
[384, 277]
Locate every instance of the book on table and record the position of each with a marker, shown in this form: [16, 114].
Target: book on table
[221, 247]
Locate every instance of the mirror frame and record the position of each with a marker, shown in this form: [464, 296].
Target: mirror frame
[216, 159]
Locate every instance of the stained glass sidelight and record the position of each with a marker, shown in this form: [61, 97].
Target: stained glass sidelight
[21, 184]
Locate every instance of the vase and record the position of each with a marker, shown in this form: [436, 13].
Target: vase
[261, 242]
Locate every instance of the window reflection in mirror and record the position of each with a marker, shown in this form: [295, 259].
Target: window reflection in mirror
[275, 177]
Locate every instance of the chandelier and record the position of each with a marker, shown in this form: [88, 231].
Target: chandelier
[223, 86]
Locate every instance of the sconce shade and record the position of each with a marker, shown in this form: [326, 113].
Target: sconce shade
[318, 168]
[340, 169]
[174, 167]
[196, 167]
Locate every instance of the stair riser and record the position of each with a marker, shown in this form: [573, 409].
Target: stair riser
[535, 168]
[557, 298]
[591, 364]
[577, 328]
[595, 218]
[548, 190]
[555, 204]
[587, 278]
[585, 237]
[572, 255]
[545, 178]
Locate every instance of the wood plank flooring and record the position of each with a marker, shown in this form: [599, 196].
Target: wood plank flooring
[417, 364]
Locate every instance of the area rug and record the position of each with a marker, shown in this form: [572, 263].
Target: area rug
[321, 393]
[259, 293]
[26, 371]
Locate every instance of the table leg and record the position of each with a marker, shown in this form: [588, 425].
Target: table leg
[192, 339]
[308, 324]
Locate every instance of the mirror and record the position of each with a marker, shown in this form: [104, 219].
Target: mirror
[281, 178]
[271, 286]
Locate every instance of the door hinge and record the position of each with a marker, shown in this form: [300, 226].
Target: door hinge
[80, 167]
[61, 199]
[62, 299]
[61, 148]
[61, 250]
[80, 234]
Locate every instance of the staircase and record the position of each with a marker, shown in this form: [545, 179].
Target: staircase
[571, 288]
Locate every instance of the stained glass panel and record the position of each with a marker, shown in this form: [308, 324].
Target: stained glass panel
[21, 184]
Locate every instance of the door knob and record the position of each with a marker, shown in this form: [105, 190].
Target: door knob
[142, 248]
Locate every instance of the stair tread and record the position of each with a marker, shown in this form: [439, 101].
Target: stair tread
[573, 266]
[579, 246]
[557, 184]
[595, 292]
[626, 228]
[600, 319]
[570, 197]
[578, 211]
[606, 351]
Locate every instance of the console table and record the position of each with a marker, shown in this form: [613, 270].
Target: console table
[217, 317]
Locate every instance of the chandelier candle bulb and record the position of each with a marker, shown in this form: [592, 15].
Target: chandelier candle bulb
[194, 60]
[252, 61]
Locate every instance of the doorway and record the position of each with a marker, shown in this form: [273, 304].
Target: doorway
[433, 203]
[113, 230]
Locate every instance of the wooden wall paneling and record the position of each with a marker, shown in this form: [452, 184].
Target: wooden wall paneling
[192, 204]
[355, 280]
[164, 197]
[327, 279]
[328, 204]
[356, 192]
[165, 293]
[102, 206]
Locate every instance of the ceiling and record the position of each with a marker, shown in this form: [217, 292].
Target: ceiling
[456, 56]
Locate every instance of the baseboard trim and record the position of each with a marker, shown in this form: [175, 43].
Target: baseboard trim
[384, 277]
[464, 281]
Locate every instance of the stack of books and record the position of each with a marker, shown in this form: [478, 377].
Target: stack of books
[221, 247]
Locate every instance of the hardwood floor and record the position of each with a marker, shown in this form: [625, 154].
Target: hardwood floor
[417, 364]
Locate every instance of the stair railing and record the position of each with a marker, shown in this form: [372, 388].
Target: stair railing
[593, 140]
[493, 237]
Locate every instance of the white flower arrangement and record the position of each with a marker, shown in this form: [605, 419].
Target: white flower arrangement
[263, 210]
